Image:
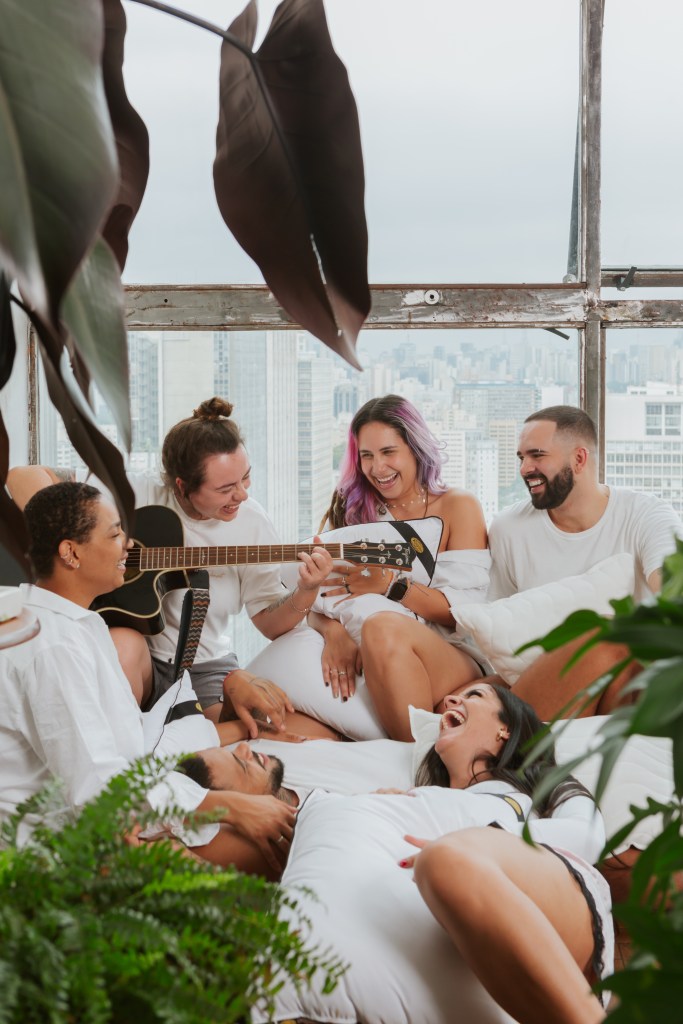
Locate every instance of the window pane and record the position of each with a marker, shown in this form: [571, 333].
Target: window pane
[468, 119]
[642, 203]
[643, 418]
[294, 400]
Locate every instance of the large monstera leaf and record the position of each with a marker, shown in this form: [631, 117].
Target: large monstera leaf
[61, 184]
[130, 132]
[289, 170]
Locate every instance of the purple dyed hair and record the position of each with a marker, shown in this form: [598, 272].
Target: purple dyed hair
[360, 498]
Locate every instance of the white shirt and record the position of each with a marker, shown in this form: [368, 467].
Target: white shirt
[528, 550]
[231, 587]
[68, 711]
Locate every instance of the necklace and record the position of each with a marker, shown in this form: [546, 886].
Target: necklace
[421, 498]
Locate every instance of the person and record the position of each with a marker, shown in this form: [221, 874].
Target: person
[392, 470]
[68, 709]
[532, 921]
[500, 900]
[205, 481]
[570, 522]
[239, 768]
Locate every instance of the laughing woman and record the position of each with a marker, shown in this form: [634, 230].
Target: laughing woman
[533, 923]
[392, 471]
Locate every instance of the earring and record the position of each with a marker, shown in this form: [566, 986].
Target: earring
[501, 736]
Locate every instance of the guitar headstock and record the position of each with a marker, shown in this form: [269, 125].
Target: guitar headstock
[396, 554]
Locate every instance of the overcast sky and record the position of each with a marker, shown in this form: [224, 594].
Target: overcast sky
[468, 116]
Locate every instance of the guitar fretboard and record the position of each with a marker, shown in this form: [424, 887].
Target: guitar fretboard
[199, 557]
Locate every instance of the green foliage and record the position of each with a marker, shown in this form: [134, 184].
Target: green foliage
[95, 929]
[651, 986]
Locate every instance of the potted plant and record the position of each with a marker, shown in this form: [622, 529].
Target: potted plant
[96, 928]
[651, 984]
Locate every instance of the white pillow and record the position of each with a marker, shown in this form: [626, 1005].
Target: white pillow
[293, 661]
[343, 767]
[175, 725]
[501, 627]
[343, 874]
[424, 538]
[644, 768]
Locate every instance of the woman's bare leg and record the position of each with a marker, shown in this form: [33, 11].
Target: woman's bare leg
[406, 662]
[518, 918]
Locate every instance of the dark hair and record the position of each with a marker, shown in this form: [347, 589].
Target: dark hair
[524, 727]
[196, 768]
[568, 420]
[208, 431]
[64, 511]
[355, 500]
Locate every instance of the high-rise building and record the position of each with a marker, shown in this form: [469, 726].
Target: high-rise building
[644, 430]
[315, 471]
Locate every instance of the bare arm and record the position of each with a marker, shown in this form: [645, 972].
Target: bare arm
[24, 481]
[292, 608]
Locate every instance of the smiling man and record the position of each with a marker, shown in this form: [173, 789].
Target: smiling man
[569, 524]
[241, 770]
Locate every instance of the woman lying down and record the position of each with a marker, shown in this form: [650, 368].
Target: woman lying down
[495, 929]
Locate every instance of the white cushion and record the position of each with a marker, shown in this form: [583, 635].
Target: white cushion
[181, 734]
[502, 626]
[353, 611]
[343, 874]
[644, 768]
[293, 661]
[343, 767]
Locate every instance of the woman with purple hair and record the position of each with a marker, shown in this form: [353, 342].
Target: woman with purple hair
[392, 471]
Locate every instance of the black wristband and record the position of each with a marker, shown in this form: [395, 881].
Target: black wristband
[397, 591]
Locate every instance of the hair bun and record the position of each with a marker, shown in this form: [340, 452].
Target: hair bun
[213, 409]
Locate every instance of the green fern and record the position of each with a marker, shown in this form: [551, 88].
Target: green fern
[93, 930]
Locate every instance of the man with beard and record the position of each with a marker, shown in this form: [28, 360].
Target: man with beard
[243, 770]
[571, 523]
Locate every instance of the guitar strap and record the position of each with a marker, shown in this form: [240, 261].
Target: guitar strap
[195, 607]
[412, 537]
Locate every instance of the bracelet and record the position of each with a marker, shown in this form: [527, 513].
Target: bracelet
[299, 611]
[391, 582]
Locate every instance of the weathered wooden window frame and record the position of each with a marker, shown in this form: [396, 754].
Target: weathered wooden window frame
[576, 303]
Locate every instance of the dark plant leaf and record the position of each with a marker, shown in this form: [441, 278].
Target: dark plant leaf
[93, 312]
[638, 814]
[13, 533]
[574, 625]
[99, 454]
[57, 154]
[289, 174]
[8, 344]
[130, 132]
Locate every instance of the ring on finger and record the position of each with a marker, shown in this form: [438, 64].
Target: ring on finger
[342, 673]
[280, 840]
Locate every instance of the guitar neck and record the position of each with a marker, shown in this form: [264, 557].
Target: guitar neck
[146, 559]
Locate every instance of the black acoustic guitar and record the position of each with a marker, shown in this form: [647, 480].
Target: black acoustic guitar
[152, 571]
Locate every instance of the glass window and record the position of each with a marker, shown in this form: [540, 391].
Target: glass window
[643, 411]
[468, 120]
[642, 202]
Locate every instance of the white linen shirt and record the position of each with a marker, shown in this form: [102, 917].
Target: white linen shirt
[68, 710]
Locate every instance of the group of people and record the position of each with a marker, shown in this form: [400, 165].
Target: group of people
[75, 696]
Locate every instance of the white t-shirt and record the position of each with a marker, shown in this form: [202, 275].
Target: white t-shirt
[69, 712]
[528, 550]
[231, 587]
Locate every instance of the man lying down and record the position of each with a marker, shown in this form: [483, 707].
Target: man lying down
[482, 888]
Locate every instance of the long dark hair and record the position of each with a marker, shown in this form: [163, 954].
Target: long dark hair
[524, 727]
